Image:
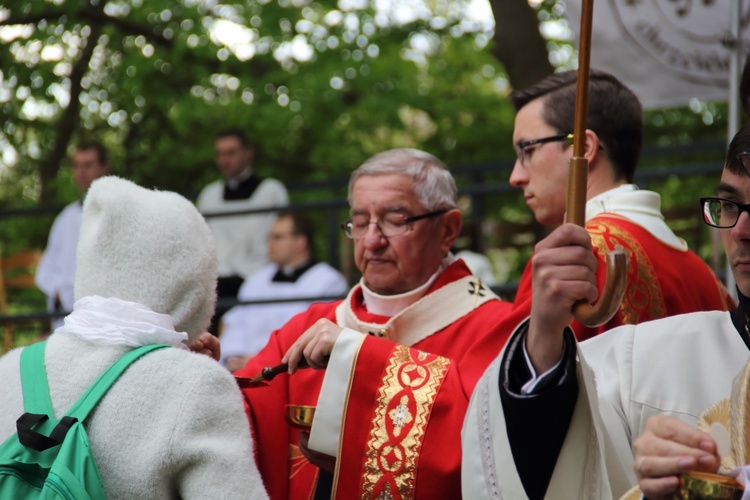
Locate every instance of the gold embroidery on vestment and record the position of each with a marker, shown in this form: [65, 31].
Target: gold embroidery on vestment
[406, 396]
[643, 300]
[296, 460]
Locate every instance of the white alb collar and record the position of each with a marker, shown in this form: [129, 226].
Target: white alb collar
[390, 305]
[641, 207]
[112, 321]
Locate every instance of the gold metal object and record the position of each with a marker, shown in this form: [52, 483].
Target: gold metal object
[704, 486]
[614, 286]
[300, 416]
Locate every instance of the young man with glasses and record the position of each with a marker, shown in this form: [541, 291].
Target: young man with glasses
[591, 420]
[400, 353]
[618, 214]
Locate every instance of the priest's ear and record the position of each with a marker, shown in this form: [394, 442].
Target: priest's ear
[593, 148]
[451, 224]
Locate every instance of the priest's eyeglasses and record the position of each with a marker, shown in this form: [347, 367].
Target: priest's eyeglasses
[391, 224]
[524, 149]
[722, 213]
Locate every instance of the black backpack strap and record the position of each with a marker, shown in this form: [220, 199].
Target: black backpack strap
[37, 441]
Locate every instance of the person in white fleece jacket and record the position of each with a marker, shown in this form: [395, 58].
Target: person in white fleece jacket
[173, 425]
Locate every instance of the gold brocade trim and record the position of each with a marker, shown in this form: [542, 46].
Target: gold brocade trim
[405, 400]
[733, 413]
[643, 300]
[296, 460]
[719, 412]
[740, 427]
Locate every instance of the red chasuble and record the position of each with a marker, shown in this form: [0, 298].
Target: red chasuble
[401, 428]
[662, 280]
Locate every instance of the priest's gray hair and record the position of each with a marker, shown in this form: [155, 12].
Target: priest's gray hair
[434, 185]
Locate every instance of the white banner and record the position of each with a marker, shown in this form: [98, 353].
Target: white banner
[666, 51]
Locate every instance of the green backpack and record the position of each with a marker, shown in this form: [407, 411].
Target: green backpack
[51, 458]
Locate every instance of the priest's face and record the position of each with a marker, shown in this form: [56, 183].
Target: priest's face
[232, 157]
[391, 265]
[736, 240]
[541, 170]
[87, 167]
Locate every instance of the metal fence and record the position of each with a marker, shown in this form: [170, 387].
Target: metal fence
[480, 183]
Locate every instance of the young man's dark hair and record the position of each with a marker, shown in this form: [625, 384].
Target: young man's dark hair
[302, 226]
[740, 144]
[101, 151]
[236, 132]
[614, 114]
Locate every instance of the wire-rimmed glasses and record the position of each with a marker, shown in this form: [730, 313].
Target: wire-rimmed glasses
[391, 224]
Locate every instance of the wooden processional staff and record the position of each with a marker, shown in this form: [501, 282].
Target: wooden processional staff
[614, 287]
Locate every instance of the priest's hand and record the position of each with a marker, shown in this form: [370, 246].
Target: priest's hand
[315, 345]
[667, 448]
[563, 272]
[207, 344]
[320, 460]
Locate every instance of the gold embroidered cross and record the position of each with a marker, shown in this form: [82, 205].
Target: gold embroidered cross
[477, 289]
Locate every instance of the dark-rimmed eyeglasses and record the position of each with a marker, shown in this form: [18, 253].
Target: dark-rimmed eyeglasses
[524, 149]
[391, 224]
[722, 213]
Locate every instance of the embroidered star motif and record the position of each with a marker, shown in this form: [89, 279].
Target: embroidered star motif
[400, 416]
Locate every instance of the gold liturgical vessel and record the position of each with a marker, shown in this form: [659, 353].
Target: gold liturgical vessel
[300, 416]
[705, 486]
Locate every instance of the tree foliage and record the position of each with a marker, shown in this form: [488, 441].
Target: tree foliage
[319, 86]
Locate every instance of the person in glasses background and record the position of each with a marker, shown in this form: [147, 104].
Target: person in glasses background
[294, 272]
[394, 361]
[618, 214]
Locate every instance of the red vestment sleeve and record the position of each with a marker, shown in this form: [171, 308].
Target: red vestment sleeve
[661, 280]
[284, 470]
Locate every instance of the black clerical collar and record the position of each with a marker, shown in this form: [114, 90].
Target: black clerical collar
[292, 276]
[243, 190]
[235, 181]
[741, 317]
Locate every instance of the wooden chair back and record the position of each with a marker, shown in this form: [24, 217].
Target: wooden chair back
[16, 273]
